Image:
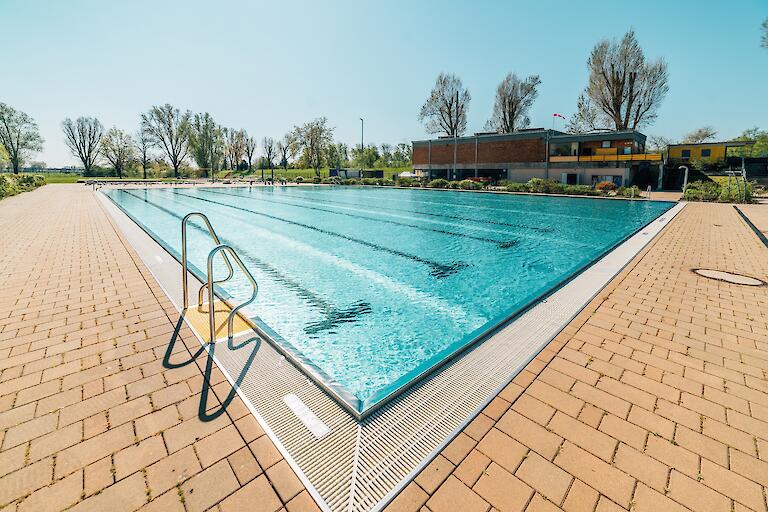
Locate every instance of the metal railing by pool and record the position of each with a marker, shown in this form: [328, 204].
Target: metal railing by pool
[224, 249]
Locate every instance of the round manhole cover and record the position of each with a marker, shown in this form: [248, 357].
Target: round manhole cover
[728, 277]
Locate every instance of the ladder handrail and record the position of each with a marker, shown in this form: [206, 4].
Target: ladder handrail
[223, 248]
[216, 240]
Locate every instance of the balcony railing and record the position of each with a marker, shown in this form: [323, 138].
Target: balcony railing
[637, 157]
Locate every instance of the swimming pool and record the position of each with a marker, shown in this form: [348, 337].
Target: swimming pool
[370, 288]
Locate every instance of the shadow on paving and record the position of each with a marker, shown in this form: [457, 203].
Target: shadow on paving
[210, 349]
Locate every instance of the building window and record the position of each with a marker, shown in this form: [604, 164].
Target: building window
[627, 150]
[706, 152]
[606, 143]
[686, 153]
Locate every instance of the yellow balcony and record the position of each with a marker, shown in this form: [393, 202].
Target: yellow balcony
[637, 157]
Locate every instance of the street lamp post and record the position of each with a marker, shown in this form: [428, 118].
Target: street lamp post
[685, 178]
[362, 145]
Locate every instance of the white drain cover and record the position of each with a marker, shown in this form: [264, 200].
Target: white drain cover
[728, 277]
[306, 416]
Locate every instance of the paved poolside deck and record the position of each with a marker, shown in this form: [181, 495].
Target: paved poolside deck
[654, 397]
[89, 414]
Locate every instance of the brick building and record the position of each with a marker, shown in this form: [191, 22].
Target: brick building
[538, 153]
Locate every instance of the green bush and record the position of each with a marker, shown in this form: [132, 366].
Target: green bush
[299, 179]
[632, 191]
[702, 191]
[470, 185]
[737, 193]
[317, 180]
[516, 187]
[404, 182]
[542, 186]
[371, 181]
[580, 190]
[387, 183]
[438, 183]
[12, 184]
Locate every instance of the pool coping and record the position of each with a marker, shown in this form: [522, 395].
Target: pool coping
[457, 418]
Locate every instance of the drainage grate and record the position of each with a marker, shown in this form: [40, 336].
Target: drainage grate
[728, 277]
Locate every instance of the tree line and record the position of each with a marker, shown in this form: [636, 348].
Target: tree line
[168, 134]
[623, 92]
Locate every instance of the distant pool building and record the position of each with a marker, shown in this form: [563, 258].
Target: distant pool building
[618, 156]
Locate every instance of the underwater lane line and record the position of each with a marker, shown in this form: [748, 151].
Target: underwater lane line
[438, 270]
[502, 244]
[433, 214]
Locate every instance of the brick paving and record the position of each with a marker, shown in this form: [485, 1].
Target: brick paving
[90, 418]
[758, 215]
[653, 398]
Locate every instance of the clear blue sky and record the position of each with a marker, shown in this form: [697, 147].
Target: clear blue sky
[266, 66]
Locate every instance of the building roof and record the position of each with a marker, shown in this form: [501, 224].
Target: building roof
[537, 133]
[729, 143]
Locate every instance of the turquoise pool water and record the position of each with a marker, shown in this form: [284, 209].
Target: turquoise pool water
[373, 286]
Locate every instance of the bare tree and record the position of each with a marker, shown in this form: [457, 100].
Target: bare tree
[18, 135]
[313, 139]
[143, 146]
[250, 150]
[514, 97]
[169, 129]
[624, 89]
[284, 148]
[235, 146]
[700, 135]
[206, 142]
[658, 143]
[268, 143]
[83, 137]
[445, 111]
[117, 147]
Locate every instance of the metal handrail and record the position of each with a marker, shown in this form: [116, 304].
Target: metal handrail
[223, 248]
[216, 240]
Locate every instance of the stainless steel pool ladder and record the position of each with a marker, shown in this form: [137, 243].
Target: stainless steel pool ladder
[209, 284]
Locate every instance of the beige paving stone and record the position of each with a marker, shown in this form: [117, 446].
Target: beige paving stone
[57, 496]
[410, 499]
[434, 474]
[209, 487]
[502, 489]
[284, 480]
[454, 495]
[245, 465]
[138, 456]
[547, 479]
[258, 495]
[126, 495]
[26, 480]
[580, 498]
[172, 470]
[472, 467]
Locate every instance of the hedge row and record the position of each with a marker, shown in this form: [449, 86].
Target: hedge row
[12, 184]
[710, 191]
